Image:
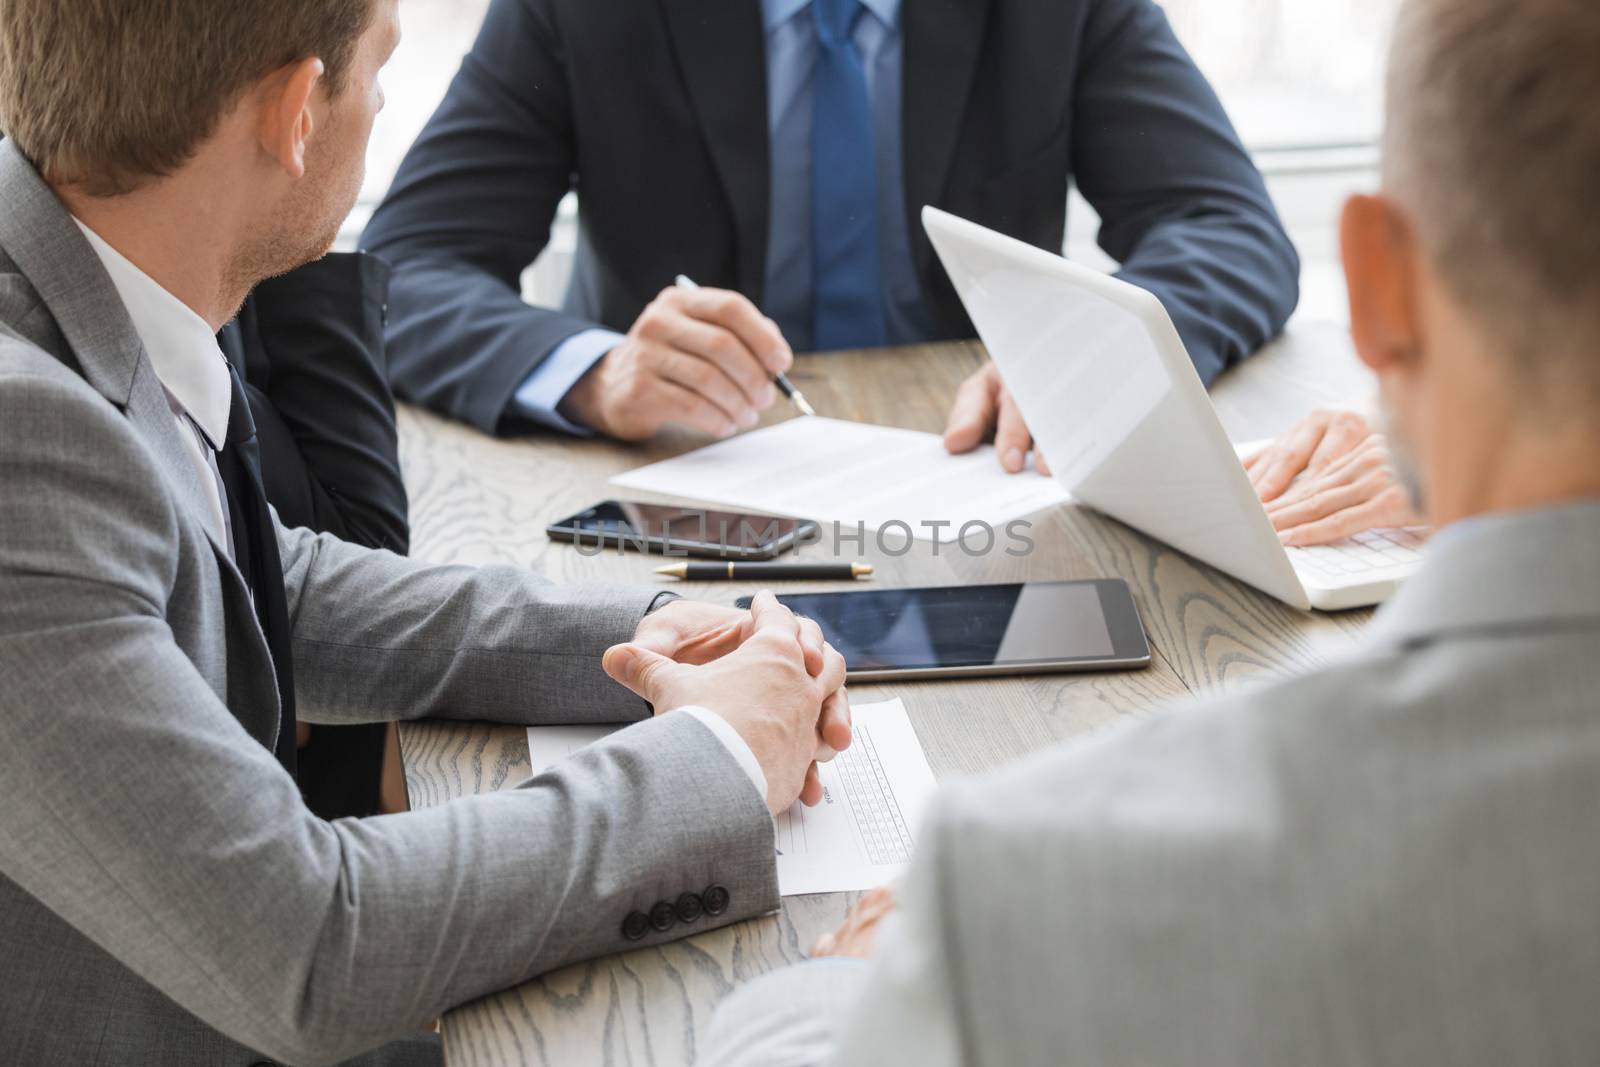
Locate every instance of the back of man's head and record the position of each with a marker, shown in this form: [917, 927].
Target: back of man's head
[105, 95]
[1493, 151]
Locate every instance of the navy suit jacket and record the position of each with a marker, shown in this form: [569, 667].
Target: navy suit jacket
[310, 345]
[656, 111]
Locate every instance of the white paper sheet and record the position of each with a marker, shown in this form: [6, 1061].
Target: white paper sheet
[850, 472]
[860, 836]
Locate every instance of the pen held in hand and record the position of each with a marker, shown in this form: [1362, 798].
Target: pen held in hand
[766, 572]
[785, 386]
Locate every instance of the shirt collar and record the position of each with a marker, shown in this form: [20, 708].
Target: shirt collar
[182, 347]
[775, 13]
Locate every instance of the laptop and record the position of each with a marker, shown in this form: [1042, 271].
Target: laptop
[1112, 398]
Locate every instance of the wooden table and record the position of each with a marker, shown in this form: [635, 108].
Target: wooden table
[480, 500]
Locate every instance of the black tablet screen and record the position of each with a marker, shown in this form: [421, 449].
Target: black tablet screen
[969, 626]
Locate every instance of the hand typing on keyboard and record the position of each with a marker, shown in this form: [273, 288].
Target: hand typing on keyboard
[1328, 479]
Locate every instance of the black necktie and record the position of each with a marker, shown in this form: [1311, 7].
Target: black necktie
[255, 549]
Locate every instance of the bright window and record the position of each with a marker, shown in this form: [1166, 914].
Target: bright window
[1293, 73]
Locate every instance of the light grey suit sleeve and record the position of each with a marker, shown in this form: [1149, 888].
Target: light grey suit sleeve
[136, 807]
[899, 1008]
[380, 637]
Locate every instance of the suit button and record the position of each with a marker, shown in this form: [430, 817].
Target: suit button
[715, 900]
[636, 925]
[690, 908]
[662, 916]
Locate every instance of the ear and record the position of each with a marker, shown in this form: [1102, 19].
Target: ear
[1381, 264]
[287, 121]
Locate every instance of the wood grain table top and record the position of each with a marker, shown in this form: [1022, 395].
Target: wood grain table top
[479, 500]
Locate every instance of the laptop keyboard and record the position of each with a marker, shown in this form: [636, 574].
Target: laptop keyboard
[1374, 554]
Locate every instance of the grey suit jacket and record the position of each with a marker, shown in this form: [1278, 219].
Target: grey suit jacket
[1394, 861]
[164, 895]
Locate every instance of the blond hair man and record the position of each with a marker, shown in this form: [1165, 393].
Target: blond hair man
[165, 896]
[1390, 862]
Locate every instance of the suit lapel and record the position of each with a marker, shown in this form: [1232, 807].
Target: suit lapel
[722, 54]
[40, 237]
[942, 41]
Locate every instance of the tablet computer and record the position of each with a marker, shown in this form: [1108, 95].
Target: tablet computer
[977, 630]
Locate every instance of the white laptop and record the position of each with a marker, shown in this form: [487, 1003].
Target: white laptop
[1114, 401]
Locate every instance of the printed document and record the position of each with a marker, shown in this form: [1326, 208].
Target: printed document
[860, 836]
[849, 472]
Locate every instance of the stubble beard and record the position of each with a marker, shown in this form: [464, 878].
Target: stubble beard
[303, 229]
[1403, 458]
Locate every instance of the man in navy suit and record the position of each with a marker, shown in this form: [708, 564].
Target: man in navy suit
[778, 152]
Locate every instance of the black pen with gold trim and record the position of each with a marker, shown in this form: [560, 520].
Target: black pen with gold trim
[766, 572]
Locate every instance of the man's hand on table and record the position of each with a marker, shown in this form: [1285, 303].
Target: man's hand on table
[857, 936]
[1330, 477]
[985, 409]
[701, 358]
[694, 633]
[769, 675]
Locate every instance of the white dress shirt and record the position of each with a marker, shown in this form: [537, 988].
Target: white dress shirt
[183, 350]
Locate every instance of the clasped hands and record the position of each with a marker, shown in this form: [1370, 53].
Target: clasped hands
[767, 672]
[770, 675]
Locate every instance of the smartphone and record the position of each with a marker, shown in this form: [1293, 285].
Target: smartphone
[976, 630]
[664, 528]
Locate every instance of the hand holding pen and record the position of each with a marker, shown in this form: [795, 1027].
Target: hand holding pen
[781, 380]
[702, 358]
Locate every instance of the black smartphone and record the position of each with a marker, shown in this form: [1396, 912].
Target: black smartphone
[974, 630]
[663, 528]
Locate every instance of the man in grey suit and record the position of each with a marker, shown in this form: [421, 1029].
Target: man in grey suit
[165, 896]
[1393, 861]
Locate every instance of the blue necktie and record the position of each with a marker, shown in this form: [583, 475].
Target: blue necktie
[846, 277]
